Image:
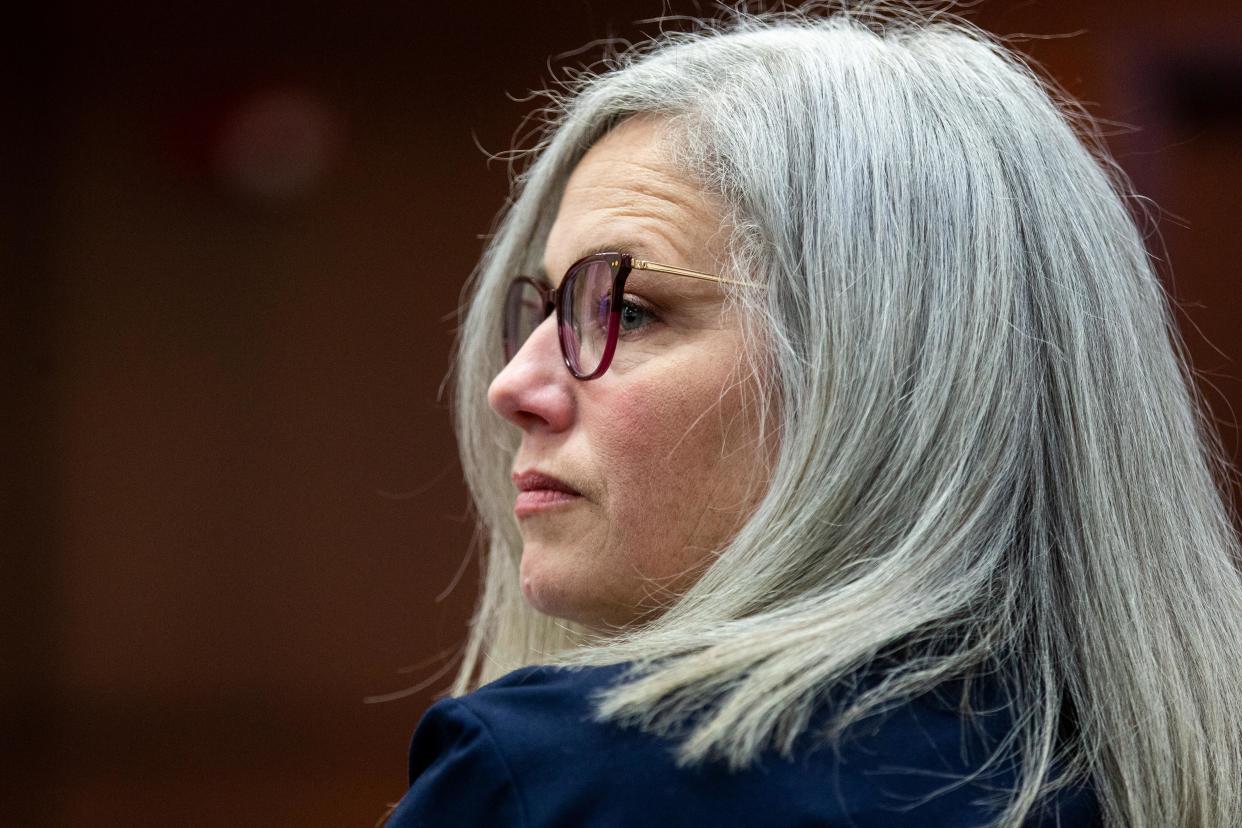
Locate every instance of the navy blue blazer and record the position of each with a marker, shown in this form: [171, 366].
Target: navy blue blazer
[524, 751]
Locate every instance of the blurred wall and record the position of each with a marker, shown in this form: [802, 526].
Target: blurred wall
[233, 245]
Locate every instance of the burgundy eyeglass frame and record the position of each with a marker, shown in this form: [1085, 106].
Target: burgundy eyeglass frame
[554, 298]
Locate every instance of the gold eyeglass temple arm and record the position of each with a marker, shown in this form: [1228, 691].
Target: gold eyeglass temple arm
[639, 264]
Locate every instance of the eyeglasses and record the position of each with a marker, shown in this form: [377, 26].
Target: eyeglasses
[588, 304]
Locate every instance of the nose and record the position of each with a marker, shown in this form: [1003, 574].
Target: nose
[535, 390]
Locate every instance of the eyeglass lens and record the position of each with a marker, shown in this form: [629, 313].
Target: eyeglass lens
[584, 328]
[524, 311]
[586, 315]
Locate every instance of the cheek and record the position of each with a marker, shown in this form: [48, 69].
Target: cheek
[638, 442]
[660, 446]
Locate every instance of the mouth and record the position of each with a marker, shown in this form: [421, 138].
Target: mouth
[540, 492]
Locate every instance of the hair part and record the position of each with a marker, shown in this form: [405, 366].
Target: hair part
[992, 454]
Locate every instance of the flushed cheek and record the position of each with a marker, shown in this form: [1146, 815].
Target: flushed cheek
[657, 444]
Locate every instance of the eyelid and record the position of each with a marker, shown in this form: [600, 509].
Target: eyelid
[650, 316]
[642, 300]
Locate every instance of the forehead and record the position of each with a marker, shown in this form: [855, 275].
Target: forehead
[626, 194]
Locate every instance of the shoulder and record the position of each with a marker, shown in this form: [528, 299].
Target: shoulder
[494, 755]
[535, 708]
[529, 747]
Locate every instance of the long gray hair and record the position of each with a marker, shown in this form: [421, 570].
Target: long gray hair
[992, 456]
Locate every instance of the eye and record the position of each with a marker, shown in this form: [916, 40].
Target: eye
[635, 316]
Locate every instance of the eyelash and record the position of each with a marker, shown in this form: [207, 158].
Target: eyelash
[628, 302]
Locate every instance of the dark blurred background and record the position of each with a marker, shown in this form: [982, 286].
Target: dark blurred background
[232, 245]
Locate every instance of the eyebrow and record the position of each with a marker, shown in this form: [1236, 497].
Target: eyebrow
[636, 248]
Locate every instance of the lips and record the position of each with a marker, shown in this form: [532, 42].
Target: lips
[530, 481]
[539, 492]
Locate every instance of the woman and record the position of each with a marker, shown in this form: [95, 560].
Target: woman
[838, 459]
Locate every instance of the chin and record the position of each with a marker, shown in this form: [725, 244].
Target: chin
[542, 586]
[551, 592]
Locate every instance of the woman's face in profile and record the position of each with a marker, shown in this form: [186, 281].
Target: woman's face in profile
[661, 447]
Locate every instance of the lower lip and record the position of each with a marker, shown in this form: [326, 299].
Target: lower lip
[540, 500]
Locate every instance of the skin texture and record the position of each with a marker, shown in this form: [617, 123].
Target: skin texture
[661, 446]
